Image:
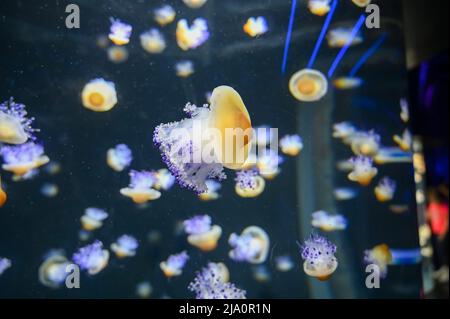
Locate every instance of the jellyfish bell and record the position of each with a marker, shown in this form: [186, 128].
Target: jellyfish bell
[24, 158]
[125, 246]
[120, 32]
[153, 41]
[250, 189]
[381, 256]
[319, 7]
[362, 3]
[366, 143]
[3, 196]
[141, 188]
[92, 258]
[255, 27]
[15, 126]
[385, 190]
[164, 15]
[117, 54]
[405, 141]
[363, 171]
[174, 265]
[99, 95]
[318, 255]
[184, 69]
[347, 83]
[93, 218]
[251, 246]
[308, 85]
[194, 4]
[52, 272]
[202, 234]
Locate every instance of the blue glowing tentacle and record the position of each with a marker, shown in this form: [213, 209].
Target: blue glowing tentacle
[288, 36]
[367, 55]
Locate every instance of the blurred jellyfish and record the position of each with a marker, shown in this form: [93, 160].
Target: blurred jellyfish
[319, 7]
[249, 184]
[251, 246]
[256, 27]
[284, 263]
[93, 218]
[102, 41]
[201, 233]
[3, 195]
[164, 15]
[344, 193]
[194, 4]
[385, 190]
[327, 222]
[344, 130]
[92, 258]
[362, 3]
[340, 37]
[49, 190]
[308, 85]
[389, 155]
[99, 95]
[119, 157]
[164, 179]
[347, 83]
[52, 272]
[181, 146]
[380, 256]
[140, 189]
[291, 145]
[153, 41]
[366, 143]
[399, 209]
[120, 32]
[52, 168]
[174, 265]
[268, 164]
[5, 263]
[144, 290]
[184, 69]
[23, 158]
[154, 237]
[194, 36]
[30, 175]
[212, 192]
[261, 273]
[318, 255]
[405, 141]
[15, 126]
[208, 284]
[363, 170]
[84, 235]
[404, 110]
[117, 54]
[125, 246]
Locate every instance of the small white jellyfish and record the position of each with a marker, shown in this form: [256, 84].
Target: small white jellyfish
[363, 170]
[144, 290]
[385, 190]
[5, 263]
[102, 41]
[347, 83]
[308, 85]
[404, 110]
[212, 192]
[15, 126]
[92, 258]
[268, 164]
[249, 184]
[319, 7]
[327, 222]
[119, 157]
[344, 193]
[141, 188]
[191, 37]
[256, 27]
[117, 54]
[405, 141]
[49, 190]
[120, 32]
[164, 179]
[99, 95]
[93, 218]
[340, 37]
[84, 235]
[153, 41]
[318, 255]
[164, 15]
[125, 246]
[345, 131]
[291, 145]
[362, 3]
[194, 4]
[251, 246]
[53, 271]
[366, 143]
[53, 168]
[381, 256]
[24, 158]
[284, 263]
[201, 233]
[174, 265]
[261, 273]
[184, 69]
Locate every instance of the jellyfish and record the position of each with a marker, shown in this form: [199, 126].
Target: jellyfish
[125, 246]
[174, 265]
[389, 155]
[144, 290]
[380, 256]
[201, 233]
[284, 263]
[119, 157]
[366, 143]
[181, 143]
[208, 284]
[256, 27]
[52, 272]
[327, 222]
[344, 193]
[117, 54]
[102, 41]
[212, 192]
[184, 69]
[93, 218]
[308, 85]
[5, 263]
[120, 32]
[191, 37]
[291, 145]
[153, 41]
[99, 95]
[3, 195]
[140, 189]
[92, 258]
[398, 209]
[319, 7]
[194, 4]
[164, 15]
[405, 141]
[268, 164]
[15, 126]
[261, 273]
[385, 190]
[249, 184]
[221, 271]
[23, 158]
[318, 255]
[347, 83]
[404, 110]
[345, 131]
[164, 179]
[363, 170]
[340, 37]
[49, 190]
[362, 3]
[53, 168]
[345, 165]
[251, 246]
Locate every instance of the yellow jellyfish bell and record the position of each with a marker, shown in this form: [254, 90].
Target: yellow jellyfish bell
[3, 196]
[362, 3]
[308, 85]
[99, 95]
[194, 4]
[140, 196]
[250, 192]
[206, 241]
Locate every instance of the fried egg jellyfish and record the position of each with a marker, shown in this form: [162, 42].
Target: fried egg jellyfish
[256, 27]
[319, 7]
[184, 69]
[23, 158]
[381, 256]
[93, 218]
[174, 265]
[385, 190]
[347, 83]
[3, 195]
[117, 54]
[268, 164]
[52, 272]
[344, 194]
[308, 85]
[345, 131]
[92, 258]
[201, 233]
[125, 246]
[164, 15]
[99, 95]
[153, 41]
[164, 179]
[194, 4]
[405, 141]
[141, 189]
[120, 32]
[327, 222]
[318, 255]
[291, 145]
[251, 246]
[340, 37]
[191, 37]
[212, 192]
[15, 126]
[366, 143]
[249, 184]
[284, 263]
[49, 190]
[363, 170]
[119, 157]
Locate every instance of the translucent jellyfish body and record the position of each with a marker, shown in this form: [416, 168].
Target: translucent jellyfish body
[284, 263]
[291, 145]
[194, 4]
[347, 83]
[328, 222]
[308, 85]
[404, 110]
[191, 37]
[119, 157]
[23, 158]
[117, 54]
[362, 3]
[201, 233]
[363, 170]
[344, 193]
[405, 141]
[99, 95]
[174, 265]
[140, 189]
[184, 69]
[340, 37]
[251, 246]
[120, 32]
[164, 15]
[93, 218]
[345, 131]
[249, 184]
[15, 126]
[261, 273]
[153, 41]
[318, 255]
[164, 179]
[125, 246]
[52, 272]
[268, 164]
[208, 284]
[256, 27]
[319, 7]
[366, 143]
[5, 263]
[144, 290]
[385, 190]
[381, 256]
[224, 130]
[49, 190]
[212, 192]
[92, 258]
